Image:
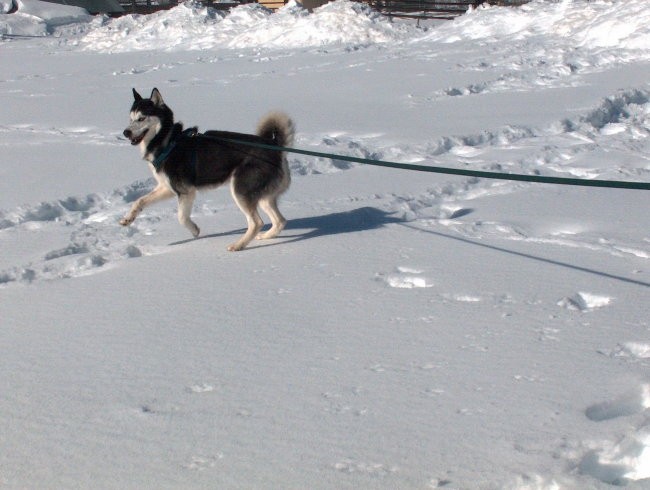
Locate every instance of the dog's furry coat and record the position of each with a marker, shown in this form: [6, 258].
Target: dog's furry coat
[185, 161]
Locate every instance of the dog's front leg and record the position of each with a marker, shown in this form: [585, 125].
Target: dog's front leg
[158, 194]
[185, 202]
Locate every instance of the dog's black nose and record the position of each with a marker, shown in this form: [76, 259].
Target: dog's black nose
[127, 133]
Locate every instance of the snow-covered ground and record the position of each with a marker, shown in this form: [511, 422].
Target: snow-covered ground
[406, 331]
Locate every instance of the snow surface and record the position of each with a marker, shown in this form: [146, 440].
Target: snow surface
[406, 331]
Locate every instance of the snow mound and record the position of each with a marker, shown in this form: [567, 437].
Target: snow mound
[191, 27]
[559, 39]
[186, 24]
[36, 18]
[625, 25]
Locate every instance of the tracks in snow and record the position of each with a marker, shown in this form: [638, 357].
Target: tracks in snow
[93, 241]
[623, 458]
[69, 237]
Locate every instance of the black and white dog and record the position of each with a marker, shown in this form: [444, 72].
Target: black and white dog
[184, 161]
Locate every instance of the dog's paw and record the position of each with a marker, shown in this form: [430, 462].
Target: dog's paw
[272, 232]
[235, 247]
[127, 220]
[267, 235]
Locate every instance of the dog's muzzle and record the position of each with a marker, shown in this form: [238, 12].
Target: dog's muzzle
[135, 140]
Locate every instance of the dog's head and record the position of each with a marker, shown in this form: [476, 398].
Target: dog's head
[148, 116]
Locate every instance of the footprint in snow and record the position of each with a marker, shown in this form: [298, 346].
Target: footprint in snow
[350, 466]
[584, 302]
[629, 404]
[95, 241]
[405, 278]
[629, 350]
[462, 298]
[201, 388]
[626, 459]
[200, 463]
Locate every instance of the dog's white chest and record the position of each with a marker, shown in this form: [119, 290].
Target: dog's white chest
[161, 177]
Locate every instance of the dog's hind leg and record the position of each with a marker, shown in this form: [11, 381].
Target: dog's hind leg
[185, 202]
[253, 220]
[158, 194]
[270, 206]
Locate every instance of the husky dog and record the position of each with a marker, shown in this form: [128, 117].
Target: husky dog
[183, 161]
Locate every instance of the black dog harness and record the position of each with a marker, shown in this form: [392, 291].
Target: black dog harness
[160, 159]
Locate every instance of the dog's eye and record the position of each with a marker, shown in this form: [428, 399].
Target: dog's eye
[141, 118]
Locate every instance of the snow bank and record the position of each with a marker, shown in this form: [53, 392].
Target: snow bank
[35, 18]
[557, 37]
[571, 25]
[191, 26]
[624, 24]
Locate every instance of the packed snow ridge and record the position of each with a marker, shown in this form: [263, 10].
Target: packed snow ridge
[586, 25]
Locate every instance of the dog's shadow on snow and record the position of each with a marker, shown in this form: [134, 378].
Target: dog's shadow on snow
[360, 219]
[369, 218]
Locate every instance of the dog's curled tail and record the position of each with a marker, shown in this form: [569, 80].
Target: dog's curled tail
[278, 127]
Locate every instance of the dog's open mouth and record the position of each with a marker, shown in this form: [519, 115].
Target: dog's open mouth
[136, 140]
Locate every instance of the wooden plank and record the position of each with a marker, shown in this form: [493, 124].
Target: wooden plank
[272, 4]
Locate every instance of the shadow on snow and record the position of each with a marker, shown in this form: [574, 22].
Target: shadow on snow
[369, 218]
[356, 220]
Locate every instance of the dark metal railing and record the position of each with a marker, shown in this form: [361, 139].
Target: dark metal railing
[419, 9]
[432, 9]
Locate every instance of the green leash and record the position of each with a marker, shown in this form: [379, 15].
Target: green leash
[614, 184]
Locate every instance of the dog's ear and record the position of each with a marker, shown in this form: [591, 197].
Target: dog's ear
[156, 98]
[136, 95]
